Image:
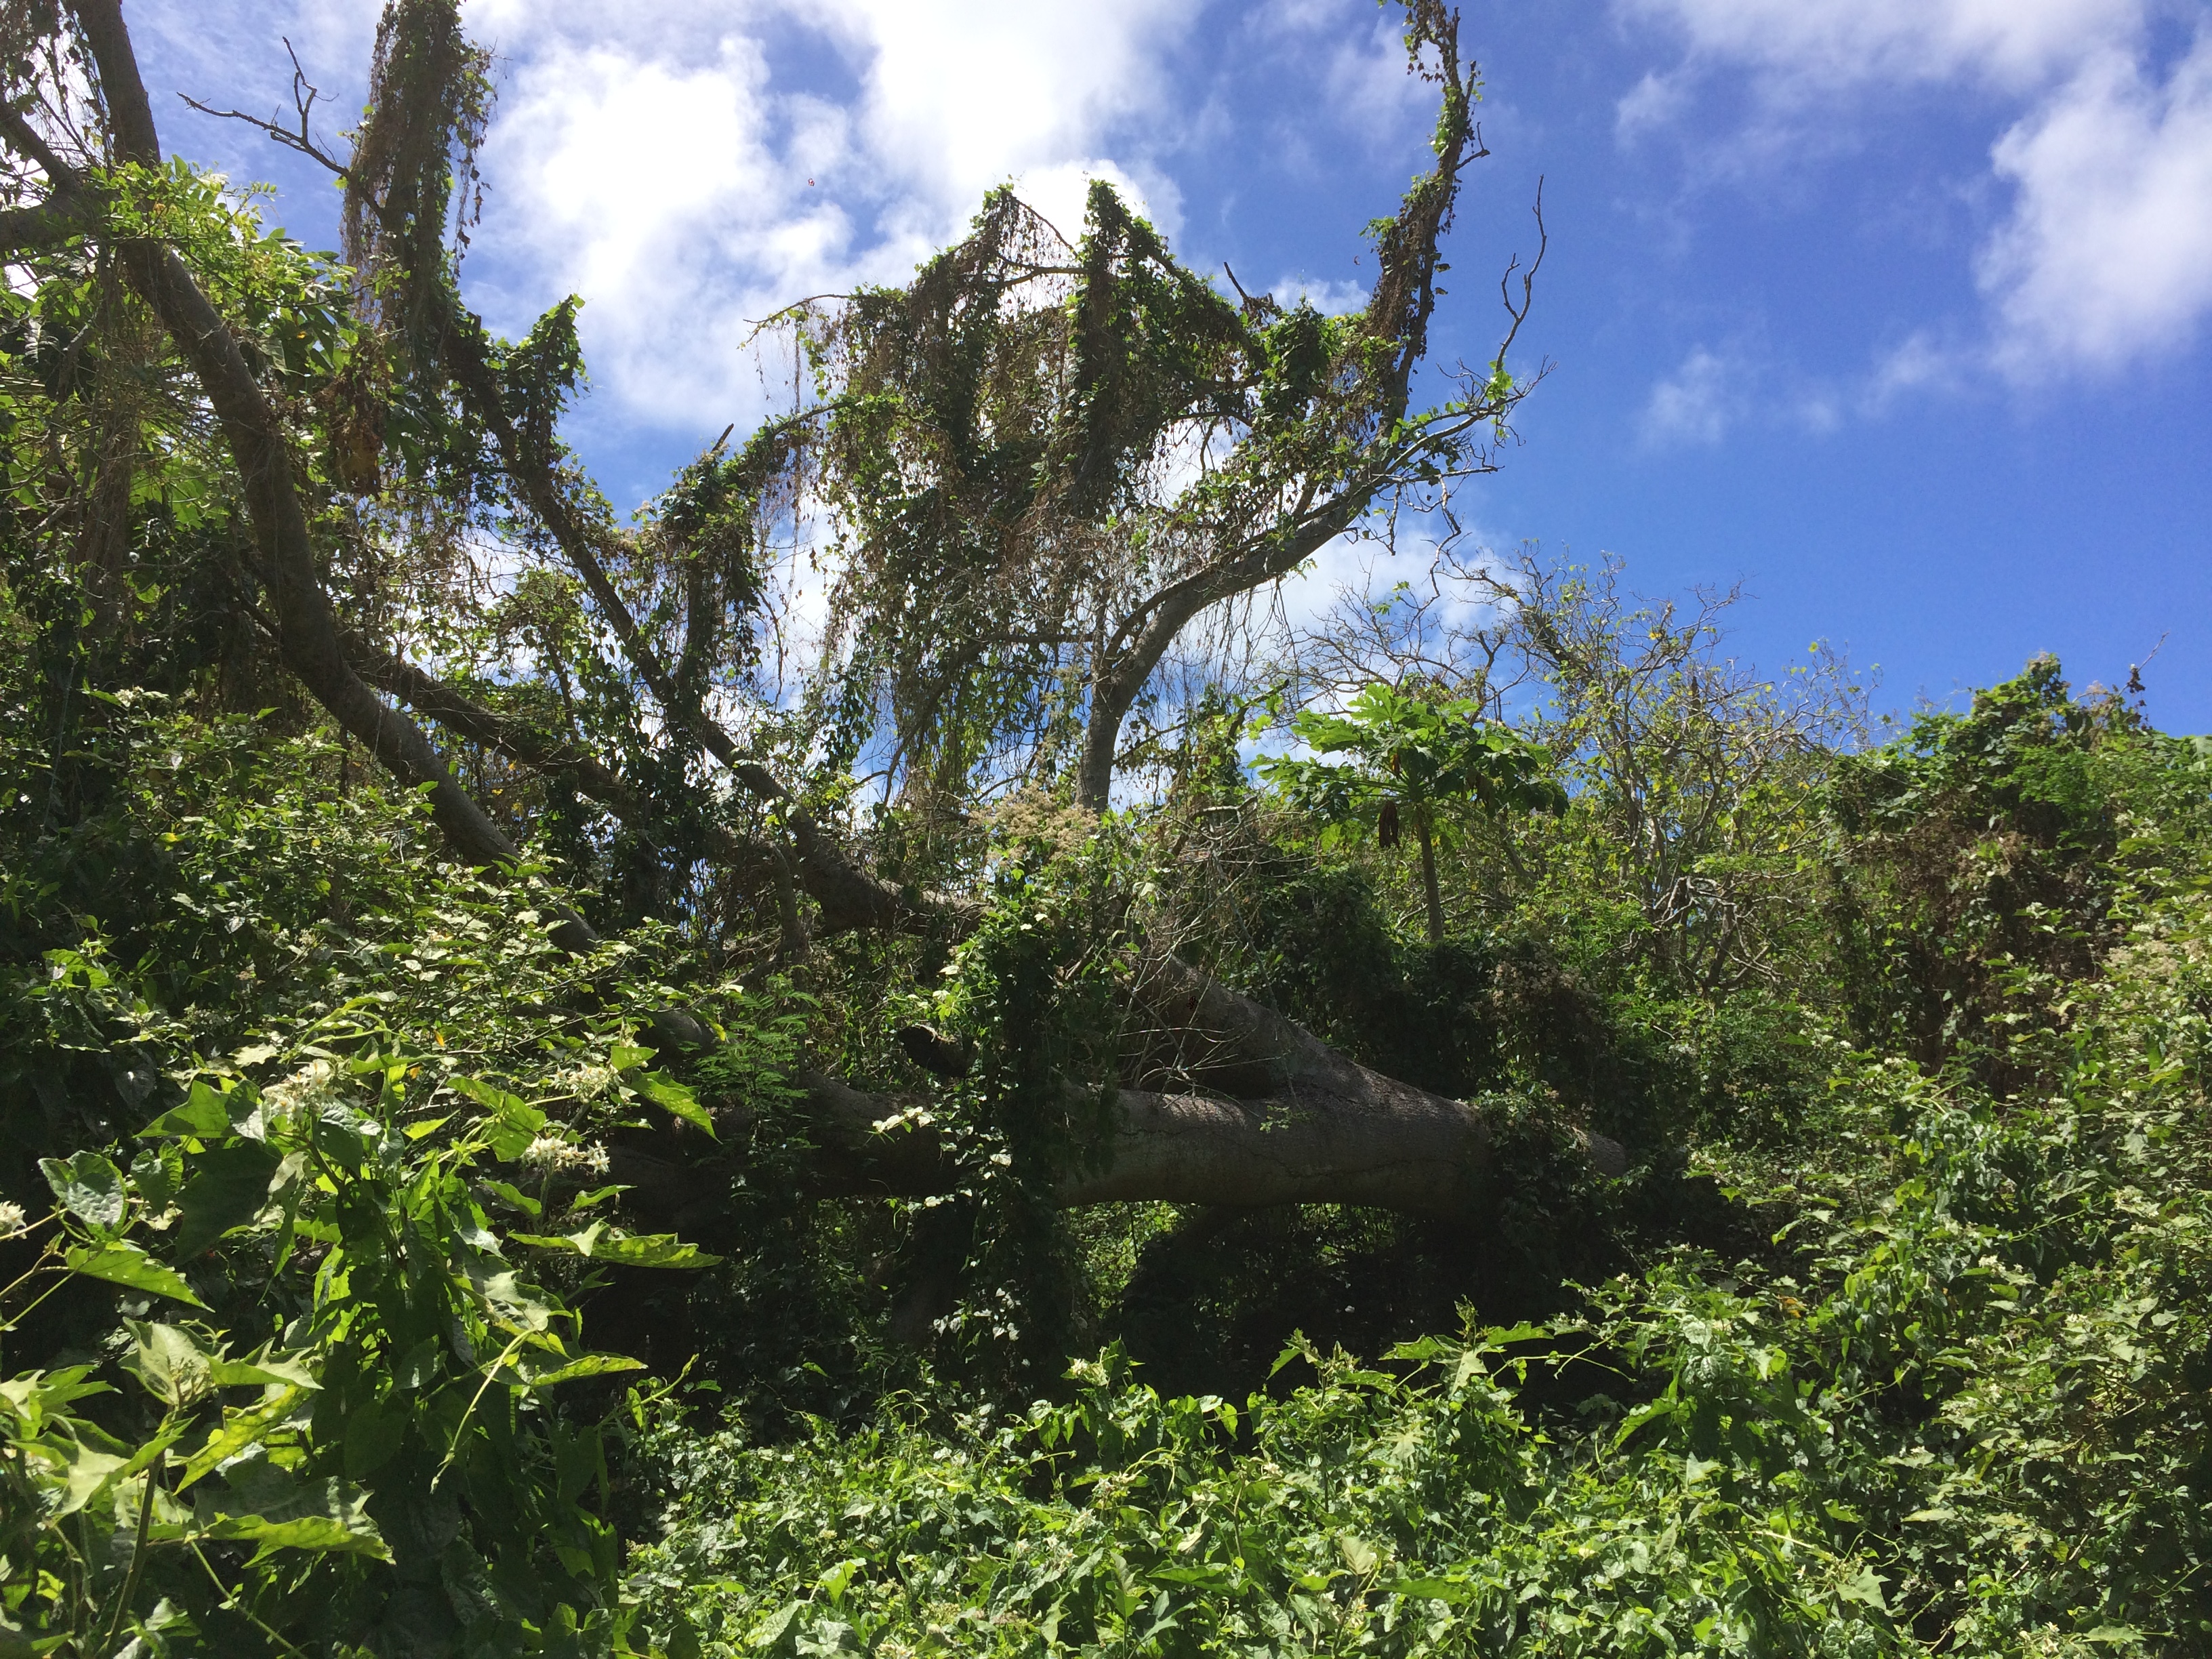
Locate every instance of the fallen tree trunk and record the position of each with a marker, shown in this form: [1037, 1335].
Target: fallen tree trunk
[1424, 1156]
[1393, 1147]
[1260, 1111]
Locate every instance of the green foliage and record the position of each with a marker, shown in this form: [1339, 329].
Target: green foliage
[1035, 993]
[1414, 751]
[326, 1129]
[1408, 750]
[340, 1206]
[1980, 857]
[1958, 1403]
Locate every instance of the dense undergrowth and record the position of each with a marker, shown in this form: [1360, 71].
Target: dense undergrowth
[1950, 1397]
[328, 1330]
[405, 1256]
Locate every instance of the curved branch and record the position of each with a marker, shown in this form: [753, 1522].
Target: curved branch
[306, 628]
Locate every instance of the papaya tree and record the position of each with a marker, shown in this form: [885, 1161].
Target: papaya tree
[1412, 761]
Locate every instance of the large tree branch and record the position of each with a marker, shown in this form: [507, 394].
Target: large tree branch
[1424, 1154]
[849, 897]
[755, 862]
[48, 224]
[1285, 1119]
[306, 629]
[1332, 1133]
[1145, 634]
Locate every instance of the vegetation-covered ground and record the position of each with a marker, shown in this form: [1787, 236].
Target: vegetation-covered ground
[1477, 1125]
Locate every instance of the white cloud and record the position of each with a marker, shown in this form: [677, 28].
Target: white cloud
[2105, 256]
[2108, 258]
[1695, 404]
[1330, 299]
[654, 157]
[1653, 102]
[1805, 48]
[1919, 362]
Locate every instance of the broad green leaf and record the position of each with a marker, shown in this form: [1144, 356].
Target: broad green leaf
[202, 1116]
[514, 1196]
[1666, 1405]
[156, 1173]
[492, 1097]
[37, 1396]
[86, 1473]
[542, 1370]
[173, 1368]
[514, 1123]
[1864, 1587]
[123, 1263]
[89, 1186]
[229, 1186]
[624, 1057]
[374, 1436]
[671, 1097]
[603, 1244]
[263, 1371]
[241, 1432]
[1213, 1573]
[652, 1250]
[257, 1504]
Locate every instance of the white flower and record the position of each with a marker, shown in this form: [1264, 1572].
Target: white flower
[555, 1156]
[587, 1082]
[11, 1219]
[305, 1087]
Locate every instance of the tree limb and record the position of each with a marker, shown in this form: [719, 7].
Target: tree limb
[306, 628]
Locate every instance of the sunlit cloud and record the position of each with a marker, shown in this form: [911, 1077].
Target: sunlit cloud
[2107, 257]
[1696, 404]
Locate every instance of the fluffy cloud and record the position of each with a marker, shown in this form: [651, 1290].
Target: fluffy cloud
[2105, 256]
[659, 160]
[1695, 404]
[1805, 48]
[687, 165]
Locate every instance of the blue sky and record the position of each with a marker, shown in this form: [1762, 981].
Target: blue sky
[1893, 309]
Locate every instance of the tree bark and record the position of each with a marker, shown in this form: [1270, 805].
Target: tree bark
[1415, 1152]
[1300, 1124]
